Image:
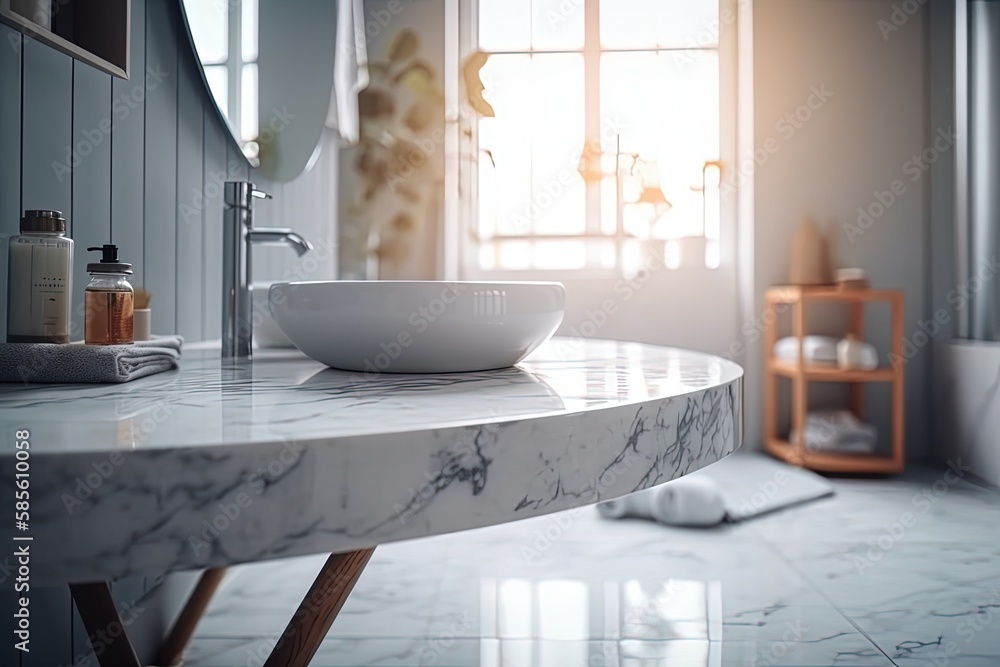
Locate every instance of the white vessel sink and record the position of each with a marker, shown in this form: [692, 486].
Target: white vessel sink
[417, 327]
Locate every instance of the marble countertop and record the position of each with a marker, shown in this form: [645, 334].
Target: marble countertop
[219, 463]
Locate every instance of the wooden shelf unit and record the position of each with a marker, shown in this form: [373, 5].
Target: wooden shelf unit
[802, 373]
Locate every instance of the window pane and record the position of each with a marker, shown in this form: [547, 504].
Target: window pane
[535, 140]
[668, 112]
[249, 31]
[248, 104]
[569, 254]
[209, 23]
[508, 138]
[557, 24]
[558, 194]
[218, 83]
[642, 24]
[504, 25]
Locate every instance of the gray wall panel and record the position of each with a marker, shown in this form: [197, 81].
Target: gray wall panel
[91, 160]
[214, 178]
[190, 204]
[48, 112]
[128, 109]
[10, 161]
[160, 204]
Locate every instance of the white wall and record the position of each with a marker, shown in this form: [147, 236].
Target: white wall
[859, 141]
[693, 308]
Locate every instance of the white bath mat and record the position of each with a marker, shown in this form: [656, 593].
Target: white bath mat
[752, 483]
[737, 488]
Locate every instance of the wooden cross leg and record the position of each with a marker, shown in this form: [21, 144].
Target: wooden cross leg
[295, 648]
[104, 625]
[312, 620]
[107, 630]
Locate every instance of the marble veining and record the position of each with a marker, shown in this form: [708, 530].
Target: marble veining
[218, 464]
[572, 589]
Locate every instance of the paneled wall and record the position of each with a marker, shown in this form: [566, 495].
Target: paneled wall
[139, 163]
[121, 159]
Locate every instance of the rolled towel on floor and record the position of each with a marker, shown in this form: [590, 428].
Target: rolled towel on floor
[76, 362]
[688, 501]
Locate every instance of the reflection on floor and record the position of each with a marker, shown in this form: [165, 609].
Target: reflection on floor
[887, 572]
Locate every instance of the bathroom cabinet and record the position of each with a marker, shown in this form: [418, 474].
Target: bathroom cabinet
[802, 373]
[92, 31]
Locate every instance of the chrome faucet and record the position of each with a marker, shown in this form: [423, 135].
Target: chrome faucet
[238, 235]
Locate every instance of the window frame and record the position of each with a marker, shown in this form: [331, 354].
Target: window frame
[462, 219]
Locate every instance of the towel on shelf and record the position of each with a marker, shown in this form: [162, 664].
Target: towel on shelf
[838, 431]
[815, 349]
[76, 362]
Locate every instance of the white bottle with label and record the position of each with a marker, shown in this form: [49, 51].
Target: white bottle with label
[39, 280]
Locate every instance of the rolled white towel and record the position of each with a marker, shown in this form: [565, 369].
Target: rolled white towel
[815, 349]
[688, 501]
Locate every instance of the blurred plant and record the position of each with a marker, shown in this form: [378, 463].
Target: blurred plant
[399, 156]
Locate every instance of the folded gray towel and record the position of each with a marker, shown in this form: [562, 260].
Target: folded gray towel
[75, 362]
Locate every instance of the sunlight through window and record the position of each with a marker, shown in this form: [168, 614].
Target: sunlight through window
[633, 91]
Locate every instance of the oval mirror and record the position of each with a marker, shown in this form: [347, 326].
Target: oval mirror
[270, 67]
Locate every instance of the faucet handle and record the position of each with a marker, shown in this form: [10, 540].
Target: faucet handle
[260, 194]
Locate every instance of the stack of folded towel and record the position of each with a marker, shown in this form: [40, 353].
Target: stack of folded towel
[838, 431]
[48, 362]
[821, 350]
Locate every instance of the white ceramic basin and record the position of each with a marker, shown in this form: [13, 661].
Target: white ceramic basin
[266, 332]
[417, 327]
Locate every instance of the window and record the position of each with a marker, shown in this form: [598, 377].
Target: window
[606, 138]
[227, 45]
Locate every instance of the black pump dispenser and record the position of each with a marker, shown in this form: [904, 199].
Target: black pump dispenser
[109, 261]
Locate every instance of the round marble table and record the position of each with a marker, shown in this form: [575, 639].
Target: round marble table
[220, 463]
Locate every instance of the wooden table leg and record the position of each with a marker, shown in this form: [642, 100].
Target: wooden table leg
[172, 650]
[104, 623]
[312, 620]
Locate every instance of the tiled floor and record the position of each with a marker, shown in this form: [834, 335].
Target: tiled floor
[887, 572]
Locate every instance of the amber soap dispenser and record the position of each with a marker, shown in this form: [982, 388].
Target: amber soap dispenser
[109, 300]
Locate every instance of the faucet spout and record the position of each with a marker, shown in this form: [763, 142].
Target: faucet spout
[239, 235]
[271, 236]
